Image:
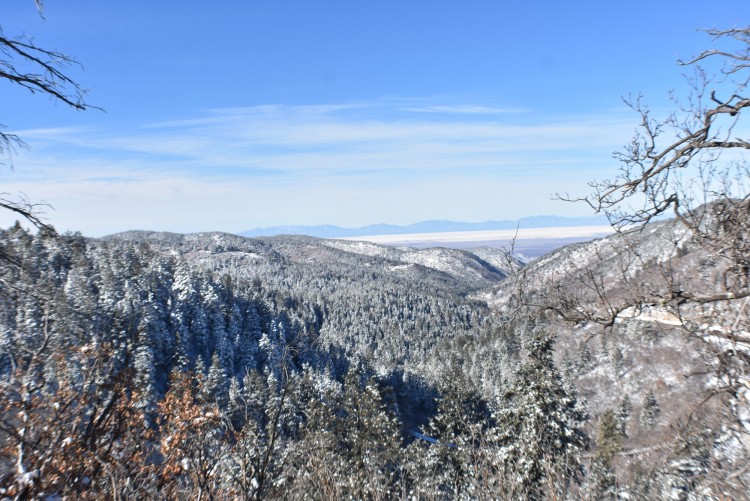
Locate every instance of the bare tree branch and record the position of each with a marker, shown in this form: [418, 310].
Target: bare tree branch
[40, 71]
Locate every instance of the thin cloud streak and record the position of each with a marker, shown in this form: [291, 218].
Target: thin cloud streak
[238, 168]
[465, 110]
[244, 139]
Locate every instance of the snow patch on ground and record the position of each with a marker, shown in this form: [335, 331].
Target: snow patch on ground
[653, 314]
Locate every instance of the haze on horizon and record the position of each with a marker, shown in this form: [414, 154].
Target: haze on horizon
[253, 114]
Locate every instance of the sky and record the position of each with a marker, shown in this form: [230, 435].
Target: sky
[241, 114]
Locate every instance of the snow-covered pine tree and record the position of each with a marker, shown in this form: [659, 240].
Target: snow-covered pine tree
[246, 331]
[459, 465]
[540, 423]
[585, 358]
[369, 437]
[145, 380]
[214, 390]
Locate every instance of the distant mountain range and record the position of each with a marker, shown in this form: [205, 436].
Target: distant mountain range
[331, 231]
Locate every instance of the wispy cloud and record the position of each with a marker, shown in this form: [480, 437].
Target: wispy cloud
[464, 110]
[350, 163]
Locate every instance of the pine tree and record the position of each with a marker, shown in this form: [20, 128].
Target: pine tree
[235, 405]
[540, 423]
[649, 411]
[608, 436]
[460, 462]
[215, 388]
[145, 380]
[617, 360]
[624, 408]
[584, 358]
[260, 447]
[246, 338]
[602, 480]
[368, 436]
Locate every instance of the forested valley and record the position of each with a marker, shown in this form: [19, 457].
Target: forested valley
[211, 366]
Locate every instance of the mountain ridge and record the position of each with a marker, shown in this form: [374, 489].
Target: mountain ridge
[481, 267]
[428, 226]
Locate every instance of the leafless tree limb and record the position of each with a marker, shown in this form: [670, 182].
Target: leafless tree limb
[40, 71]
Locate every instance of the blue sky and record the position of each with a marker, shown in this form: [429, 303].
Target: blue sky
[241, 114]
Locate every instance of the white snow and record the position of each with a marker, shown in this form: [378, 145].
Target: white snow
[489, 235]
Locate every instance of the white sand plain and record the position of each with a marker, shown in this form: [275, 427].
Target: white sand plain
[490, 235]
